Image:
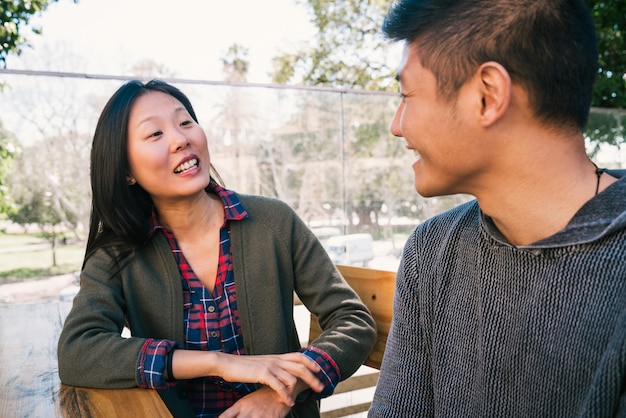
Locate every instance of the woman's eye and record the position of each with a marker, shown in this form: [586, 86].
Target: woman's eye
[155, 134]
[187, 122]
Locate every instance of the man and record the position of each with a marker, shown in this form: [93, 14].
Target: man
[512, 305]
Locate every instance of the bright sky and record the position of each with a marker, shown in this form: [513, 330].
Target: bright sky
[186, 36]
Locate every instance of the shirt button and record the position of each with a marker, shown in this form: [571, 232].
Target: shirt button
[214, 334]
[211, 308]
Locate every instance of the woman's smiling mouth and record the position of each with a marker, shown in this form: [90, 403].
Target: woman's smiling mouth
[186, 166]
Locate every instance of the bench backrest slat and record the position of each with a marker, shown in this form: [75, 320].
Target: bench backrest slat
[375, 288]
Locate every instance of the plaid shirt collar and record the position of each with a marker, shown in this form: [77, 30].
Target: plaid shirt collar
[233, 209]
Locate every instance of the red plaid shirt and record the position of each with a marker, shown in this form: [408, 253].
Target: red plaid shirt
[212, 324]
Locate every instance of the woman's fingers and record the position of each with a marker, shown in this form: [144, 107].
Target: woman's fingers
[290, 368]
[306, 374]
[282, 382]
[279, 372]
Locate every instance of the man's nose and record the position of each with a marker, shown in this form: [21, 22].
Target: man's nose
[395, 126]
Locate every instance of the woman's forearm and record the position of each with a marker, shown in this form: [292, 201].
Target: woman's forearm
[285, 373]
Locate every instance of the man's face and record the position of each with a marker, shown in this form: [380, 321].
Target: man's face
[434, 128]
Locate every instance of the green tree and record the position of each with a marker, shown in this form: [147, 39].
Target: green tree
[235, 63]
[349, 50]
[14, 16]
[50, 185]
[8, 152]
[149, 68]
[231, 126]
[608, 127]
[610, 19]
[40, 209]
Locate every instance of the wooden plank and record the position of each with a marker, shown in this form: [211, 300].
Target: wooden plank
[76, 402]
[376, 289]
[347, 410]
[357, 382]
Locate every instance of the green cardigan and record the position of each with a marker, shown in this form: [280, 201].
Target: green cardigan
[274, 255]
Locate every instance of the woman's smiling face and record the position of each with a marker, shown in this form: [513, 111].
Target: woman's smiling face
[167, 150]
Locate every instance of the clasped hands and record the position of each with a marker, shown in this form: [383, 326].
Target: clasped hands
[284, 376]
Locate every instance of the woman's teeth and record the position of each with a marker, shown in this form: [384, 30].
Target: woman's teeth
[187, 165]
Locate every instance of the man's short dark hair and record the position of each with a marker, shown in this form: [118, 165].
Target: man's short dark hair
[547, 46]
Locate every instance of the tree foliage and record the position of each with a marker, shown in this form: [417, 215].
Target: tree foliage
[50, 185]
[8, 152]
[610, 20]
[149, 68]
[349, 50]
[15, 15]
[37, 209]
[54, 162]
[235, 63]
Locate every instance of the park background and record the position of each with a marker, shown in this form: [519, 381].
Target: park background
[296, 97]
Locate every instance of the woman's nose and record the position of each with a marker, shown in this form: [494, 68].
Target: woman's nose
[179, 140]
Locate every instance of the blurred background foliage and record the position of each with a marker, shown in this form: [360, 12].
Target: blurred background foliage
[330, 136]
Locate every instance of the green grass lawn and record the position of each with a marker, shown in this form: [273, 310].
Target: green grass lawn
[13, 240]
[23, 258]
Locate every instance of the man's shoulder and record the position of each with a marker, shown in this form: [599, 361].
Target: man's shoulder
[439, 229]
[469, 211]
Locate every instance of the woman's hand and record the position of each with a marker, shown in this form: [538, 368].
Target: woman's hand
[280, 372]
[287, 374]
[262, 403]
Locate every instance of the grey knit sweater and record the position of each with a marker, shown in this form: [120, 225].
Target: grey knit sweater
[482, 328]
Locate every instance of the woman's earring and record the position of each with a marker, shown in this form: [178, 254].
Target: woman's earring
[130, 181]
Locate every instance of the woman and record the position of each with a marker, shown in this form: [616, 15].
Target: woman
[203, 277]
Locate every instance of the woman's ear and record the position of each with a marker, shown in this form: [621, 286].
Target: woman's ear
[495, 85]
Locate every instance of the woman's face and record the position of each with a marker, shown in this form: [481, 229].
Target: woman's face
[167, 150]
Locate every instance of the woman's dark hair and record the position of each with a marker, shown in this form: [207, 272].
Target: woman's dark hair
[119, 212]
[547, 46]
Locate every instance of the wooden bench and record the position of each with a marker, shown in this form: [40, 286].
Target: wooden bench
[376, 289]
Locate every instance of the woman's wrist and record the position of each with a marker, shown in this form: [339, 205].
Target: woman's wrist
[190, 364]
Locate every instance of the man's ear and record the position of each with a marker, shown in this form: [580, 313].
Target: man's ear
[495, 85]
